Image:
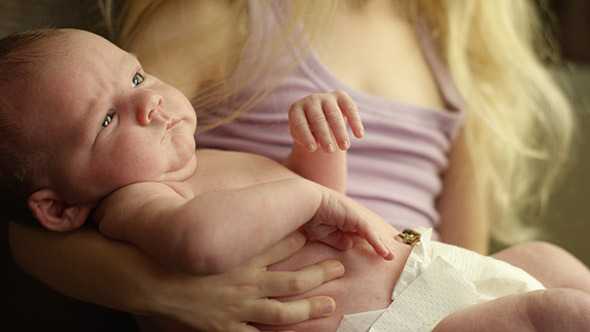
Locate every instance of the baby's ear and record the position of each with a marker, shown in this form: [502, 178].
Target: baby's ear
[54, 213]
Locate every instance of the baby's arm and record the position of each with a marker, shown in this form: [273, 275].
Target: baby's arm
[218, 230]
[318, 127]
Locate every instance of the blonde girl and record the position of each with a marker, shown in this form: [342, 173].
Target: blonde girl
[500, 165]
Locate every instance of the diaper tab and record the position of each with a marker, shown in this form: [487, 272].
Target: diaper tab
[435, 294]
[409, 236]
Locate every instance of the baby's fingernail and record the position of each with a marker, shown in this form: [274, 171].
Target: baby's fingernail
[328, 307]
[345, 145]
[338, 270]
[390, 256]
[311, 147]
[360, 132]
[330, 148]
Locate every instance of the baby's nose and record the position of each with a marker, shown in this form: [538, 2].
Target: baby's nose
[150, 105]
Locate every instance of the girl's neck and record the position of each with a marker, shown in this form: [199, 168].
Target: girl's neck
[377, 34]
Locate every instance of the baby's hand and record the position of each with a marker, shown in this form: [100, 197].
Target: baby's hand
[321, 118]
[339, 218]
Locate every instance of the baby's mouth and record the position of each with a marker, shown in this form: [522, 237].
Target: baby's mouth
[172, 124]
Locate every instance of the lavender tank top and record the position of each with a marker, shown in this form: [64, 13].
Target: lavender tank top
[395, 170]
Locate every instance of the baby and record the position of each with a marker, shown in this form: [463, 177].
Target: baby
[87, 134]
[116, 144]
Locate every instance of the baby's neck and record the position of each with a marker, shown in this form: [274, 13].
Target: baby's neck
[182, 174]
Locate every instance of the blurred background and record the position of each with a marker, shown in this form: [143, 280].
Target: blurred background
[28, 305]
[568, 217]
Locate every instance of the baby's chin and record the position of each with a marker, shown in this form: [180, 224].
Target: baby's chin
[182, 169]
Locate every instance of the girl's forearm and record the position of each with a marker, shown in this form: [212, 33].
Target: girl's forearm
[85, 265]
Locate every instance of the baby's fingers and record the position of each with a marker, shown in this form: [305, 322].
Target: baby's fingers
[339, 240]
[300, 130]
[378, 244]
[320, 124]
[351, 113]
[336, 117]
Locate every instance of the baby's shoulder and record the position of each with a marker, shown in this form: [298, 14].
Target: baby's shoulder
[237, 169]
[225, 156]
[124, 202]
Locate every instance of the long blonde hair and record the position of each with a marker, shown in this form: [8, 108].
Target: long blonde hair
[518, 125]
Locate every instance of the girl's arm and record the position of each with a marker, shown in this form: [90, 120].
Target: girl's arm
[218, 230]
[87, 266]
[464, 220]
[318, 127]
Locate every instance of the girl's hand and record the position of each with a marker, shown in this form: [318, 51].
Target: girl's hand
[320, 119]
[229, 301]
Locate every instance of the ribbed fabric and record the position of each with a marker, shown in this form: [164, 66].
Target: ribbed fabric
[394, 170]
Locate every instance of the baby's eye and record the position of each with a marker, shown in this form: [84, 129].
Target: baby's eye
[137, 79]
[107, 120]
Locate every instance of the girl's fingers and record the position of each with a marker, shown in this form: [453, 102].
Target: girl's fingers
[285, 248]
[243, 327]
[274, 312]
[288, 283]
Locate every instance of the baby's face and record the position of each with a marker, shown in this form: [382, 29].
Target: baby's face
[108, 123]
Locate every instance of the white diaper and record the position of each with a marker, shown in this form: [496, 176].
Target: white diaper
[439, 279]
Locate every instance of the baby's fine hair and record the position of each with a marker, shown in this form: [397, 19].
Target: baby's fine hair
[21, 164]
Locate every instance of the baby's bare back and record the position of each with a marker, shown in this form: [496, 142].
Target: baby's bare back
[369, 279]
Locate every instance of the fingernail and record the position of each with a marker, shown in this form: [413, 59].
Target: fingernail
[328, 307]
[360, 132]
[391, 252]
[390, 256]
[311, 147]
[330, 147]
[345, 145]
[338, 270]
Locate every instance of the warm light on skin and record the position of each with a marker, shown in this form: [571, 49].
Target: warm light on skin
[107, 123]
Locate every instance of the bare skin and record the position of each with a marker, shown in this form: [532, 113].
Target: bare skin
[458, 225]
[369, 277]
[394, 68]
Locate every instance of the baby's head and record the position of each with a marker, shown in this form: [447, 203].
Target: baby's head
[21, 56]
[80, 119]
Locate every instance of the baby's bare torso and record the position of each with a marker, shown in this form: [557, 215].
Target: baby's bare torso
[369, 279]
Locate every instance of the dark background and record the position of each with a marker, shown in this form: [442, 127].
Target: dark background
[28, 305]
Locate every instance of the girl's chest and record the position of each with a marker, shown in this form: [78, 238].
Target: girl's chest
[377, 51]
